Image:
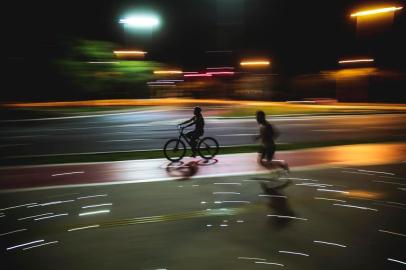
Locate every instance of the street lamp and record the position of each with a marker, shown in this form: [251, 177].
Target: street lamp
[143, 21]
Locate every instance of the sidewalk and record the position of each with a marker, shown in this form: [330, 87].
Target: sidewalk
[150, 170]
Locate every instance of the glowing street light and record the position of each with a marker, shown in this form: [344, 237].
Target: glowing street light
[350, 61]
[256, 63]
[130, 52]
[168, 72]
[375, 11]
[141, 21]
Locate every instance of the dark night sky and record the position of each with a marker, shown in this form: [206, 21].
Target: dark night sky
[289, 31]
[299, 36]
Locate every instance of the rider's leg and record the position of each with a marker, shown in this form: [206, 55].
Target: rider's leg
[192, 137]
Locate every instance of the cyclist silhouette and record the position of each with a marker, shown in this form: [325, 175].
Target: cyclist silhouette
[193, 135]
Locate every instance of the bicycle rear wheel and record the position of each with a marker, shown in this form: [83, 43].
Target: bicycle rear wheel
[208, 147]
[174, 150]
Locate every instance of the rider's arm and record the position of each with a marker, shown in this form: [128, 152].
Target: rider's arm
[191, 121]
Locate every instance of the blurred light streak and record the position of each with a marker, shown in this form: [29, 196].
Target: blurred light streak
[329, 243]
[328, 199]
[219, 68]
[294, 253]
[25, 244]
[221, 73]
[103, 62]
[67, 173]
[13, 232]
[94, 213]
[375, 11]
[289, 217]
[332, 190]
[170, 80]
[364, 194]
[255, 63]
[129, 52]
[394, 233]
[238, 184]
[160, 82]
[198, 75]
[356, 60]
[226, 192]
[92, 196]
[83, 228]
[251, 258]
[40, 245]
[393, 260]
[13, 207]
[278, 264]
[46, 214]
[168, 71]
[96, 205]
[272, 196]
[354, 206]
[59, 215]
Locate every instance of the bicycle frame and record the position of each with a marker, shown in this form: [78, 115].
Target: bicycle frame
[182, 135]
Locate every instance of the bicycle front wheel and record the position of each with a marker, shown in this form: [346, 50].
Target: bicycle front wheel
[208, 147]
[174, 150]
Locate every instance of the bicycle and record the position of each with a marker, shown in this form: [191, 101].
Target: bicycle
[175, 149]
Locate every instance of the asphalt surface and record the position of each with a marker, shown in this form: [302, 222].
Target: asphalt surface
[145, 130]
[333, 218]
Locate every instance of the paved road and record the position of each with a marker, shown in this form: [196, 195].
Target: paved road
[333, 218]
[150, 129]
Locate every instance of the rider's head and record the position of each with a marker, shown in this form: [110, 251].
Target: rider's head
[197, 110]
[260, 115]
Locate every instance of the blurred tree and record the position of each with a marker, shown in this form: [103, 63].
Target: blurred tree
[93, 71]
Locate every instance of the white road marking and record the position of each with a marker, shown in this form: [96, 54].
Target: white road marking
[329, 243]
[67, 173]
